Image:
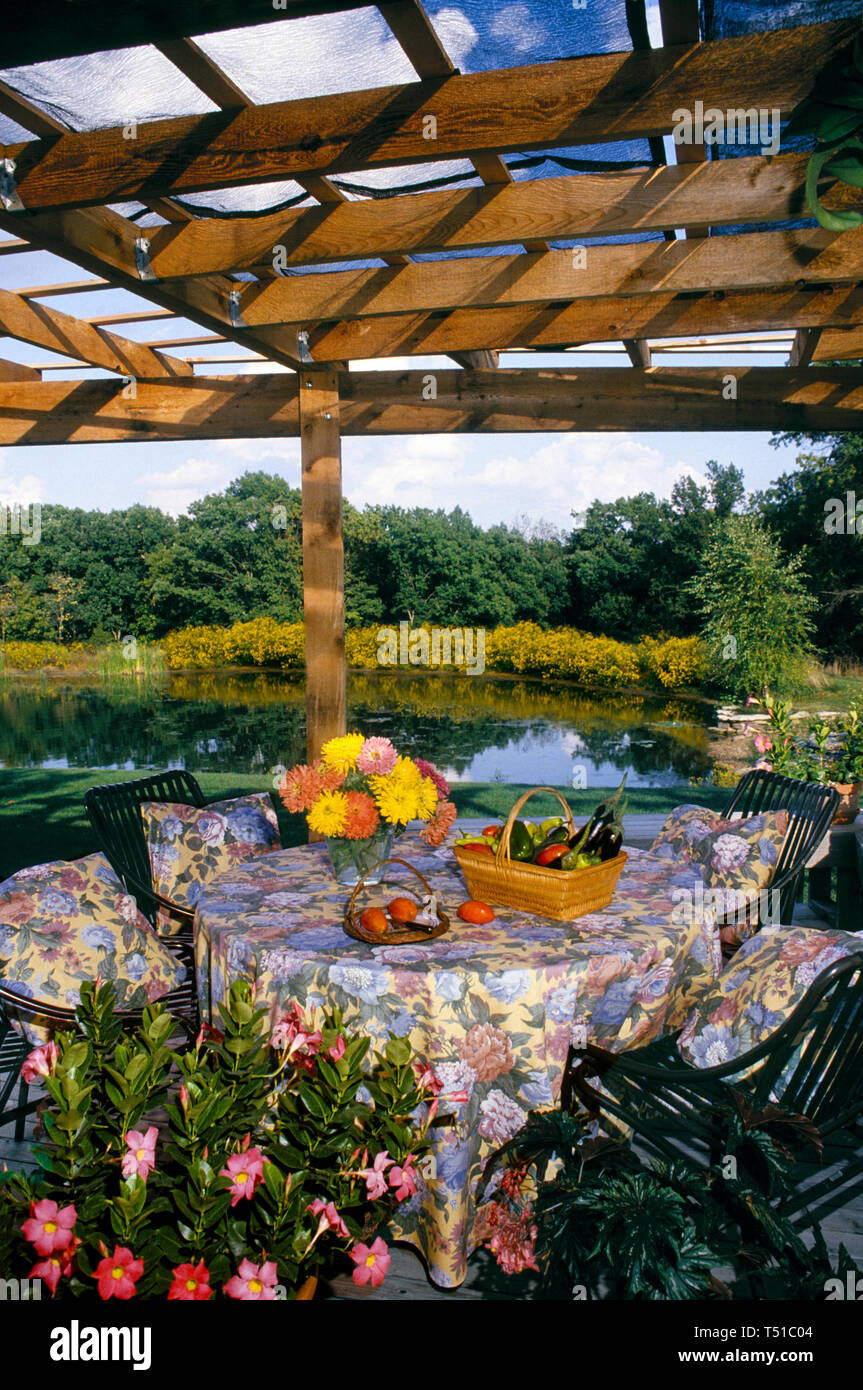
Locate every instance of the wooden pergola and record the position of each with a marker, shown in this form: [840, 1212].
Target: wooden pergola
[243, 281]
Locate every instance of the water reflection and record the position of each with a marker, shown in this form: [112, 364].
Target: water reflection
[478, 729]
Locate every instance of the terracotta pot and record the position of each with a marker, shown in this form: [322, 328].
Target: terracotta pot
[849, 803]
[306, 1291]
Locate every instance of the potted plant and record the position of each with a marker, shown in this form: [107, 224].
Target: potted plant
[359, 794]
[829, 753]
[272, 1167]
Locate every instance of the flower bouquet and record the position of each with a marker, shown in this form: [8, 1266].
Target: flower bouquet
[359, 794]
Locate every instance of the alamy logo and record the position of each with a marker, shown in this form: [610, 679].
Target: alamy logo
[20, 1289]
[76, 1343]
[734, 127]
[844, 517]
[25, 522]
[442, 646]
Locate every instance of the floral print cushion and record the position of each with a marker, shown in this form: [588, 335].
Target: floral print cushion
[767, 979]
[64, 923]
[190, 845]
[683, 830]
[736, 861]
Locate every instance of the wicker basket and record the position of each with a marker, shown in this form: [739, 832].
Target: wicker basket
[556, 893]
[396, 935]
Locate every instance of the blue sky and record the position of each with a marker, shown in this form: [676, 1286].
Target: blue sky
[497, 478]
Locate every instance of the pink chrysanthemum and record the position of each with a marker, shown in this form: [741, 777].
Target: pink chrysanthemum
[377, 755]
[362, 818]
[429, 770]
[435, 831]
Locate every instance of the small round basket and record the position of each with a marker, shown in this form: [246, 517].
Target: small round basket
[395, 935]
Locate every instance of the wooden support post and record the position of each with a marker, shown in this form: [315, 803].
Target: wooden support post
[323, 558]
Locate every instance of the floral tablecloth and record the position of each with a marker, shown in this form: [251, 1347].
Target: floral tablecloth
[491, 1008]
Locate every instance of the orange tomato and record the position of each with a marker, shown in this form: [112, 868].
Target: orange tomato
[374, 920]
[475, 912]
[402, 909]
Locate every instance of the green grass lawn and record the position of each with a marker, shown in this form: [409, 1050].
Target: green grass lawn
[42, 811]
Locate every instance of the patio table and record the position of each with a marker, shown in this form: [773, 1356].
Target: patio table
[491, 1008]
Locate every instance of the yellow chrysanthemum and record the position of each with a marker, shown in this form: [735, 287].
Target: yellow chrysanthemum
[342, 753]
[426, 799]
[329, 814]
[404, 776]
[397, 804]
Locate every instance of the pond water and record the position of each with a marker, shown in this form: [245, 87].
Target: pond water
[477, 729]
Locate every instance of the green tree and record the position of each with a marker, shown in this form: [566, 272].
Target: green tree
[796, 507]
[756, 610]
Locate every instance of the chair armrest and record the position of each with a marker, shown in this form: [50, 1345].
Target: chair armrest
[628, 1064]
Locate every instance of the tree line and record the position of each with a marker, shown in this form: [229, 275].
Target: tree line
[639, 566]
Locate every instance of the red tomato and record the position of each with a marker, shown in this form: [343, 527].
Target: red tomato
[491, 830]
[553, 852]
[475, 912]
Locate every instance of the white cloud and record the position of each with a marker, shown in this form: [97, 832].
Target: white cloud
[517, 27]
[175, 489]
[19, 491]
[456, 33]
[546, 478]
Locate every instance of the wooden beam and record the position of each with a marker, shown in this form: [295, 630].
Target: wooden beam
[18, 371]
[102, 241]
[49, 328]
[323, 559]
[805, 343]
[752, 260]
[839, 344]
[60, 30]
[724, 192]
[397, 403]
[579, 101]
[638, 352]
[604, 319]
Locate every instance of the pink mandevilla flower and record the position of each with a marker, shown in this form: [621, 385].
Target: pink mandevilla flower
[376, 1183]
[56, 1266]
[253, 1282]
[328, 1218]
[191, 1284]
[426, 1079]
[141, 1158]
[372, 1262]
[403, 1179]
[49, 1227]
[293, 1035]
[762, 743]
[246, 1171]
[41, 1062]
[118, 1274]
[337, 1051]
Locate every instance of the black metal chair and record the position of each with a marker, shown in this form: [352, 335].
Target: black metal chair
[811, 808]
[674, 1110]
[114, 811]
[14, 1047]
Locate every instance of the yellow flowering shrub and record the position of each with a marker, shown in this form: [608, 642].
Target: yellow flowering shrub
[672, 662]
[525, 648]
[29, 656]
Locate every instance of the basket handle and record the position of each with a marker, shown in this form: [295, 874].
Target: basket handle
[503, 846]
[362, 883]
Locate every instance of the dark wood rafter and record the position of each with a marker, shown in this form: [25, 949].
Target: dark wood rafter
[749, 261]
[730, 191]
[602, 319]
[805, 343]
[396, 403]
[58, 29]
[606, 97]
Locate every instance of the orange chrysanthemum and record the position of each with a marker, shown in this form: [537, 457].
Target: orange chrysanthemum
[437, 829]
[362, 817]
[301, 787]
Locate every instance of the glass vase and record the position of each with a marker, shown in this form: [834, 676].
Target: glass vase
[355, 859]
